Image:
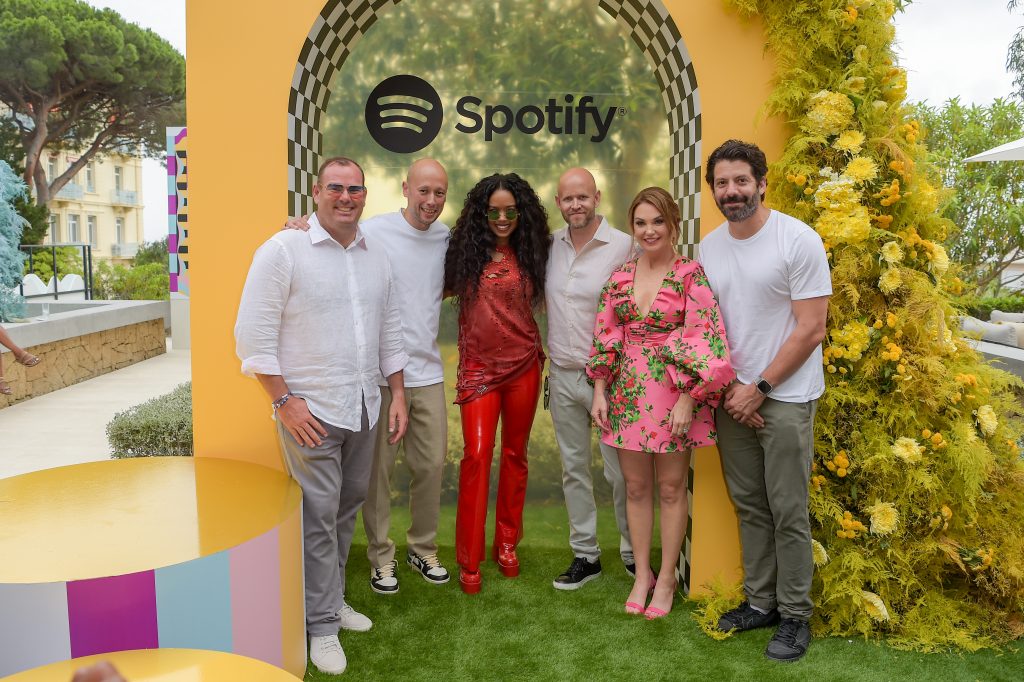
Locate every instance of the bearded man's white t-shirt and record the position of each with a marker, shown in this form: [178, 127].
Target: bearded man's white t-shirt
[756, 281]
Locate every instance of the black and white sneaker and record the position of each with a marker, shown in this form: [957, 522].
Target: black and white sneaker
[746, 617]
[579, 573]
[384, 580]
[429, 567]
[790, 641]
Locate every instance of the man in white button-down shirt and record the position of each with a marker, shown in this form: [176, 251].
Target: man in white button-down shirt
[583, 255]
[318, 320]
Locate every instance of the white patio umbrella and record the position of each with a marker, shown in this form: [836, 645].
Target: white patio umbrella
[1011, 151]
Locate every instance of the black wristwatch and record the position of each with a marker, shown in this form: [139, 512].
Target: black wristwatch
[762, 386]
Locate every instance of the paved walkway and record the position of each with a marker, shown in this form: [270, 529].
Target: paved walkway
[69, 426]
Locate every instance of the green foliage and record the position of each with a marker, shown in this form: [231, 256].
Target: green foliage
[982, 308]
[69, 261]
[918, 483]
[147, 282]
[77, 77]
[11, 225]
[36, 216]
[987, 199]
[1015, 54]
[153, 252]
[161, 426]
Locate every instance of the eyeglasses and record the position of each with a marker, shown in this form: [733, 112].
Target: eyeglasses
[495, 213]
[335, 190]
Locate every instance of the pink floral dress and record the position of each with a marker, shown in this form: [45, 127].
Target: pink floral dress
[679, 346]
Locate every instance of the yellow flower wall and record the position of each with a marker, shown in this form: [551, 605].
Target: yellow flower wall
[925, 432]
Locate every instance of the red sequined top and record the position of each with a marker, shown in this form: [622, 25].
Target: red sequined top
[498, 337]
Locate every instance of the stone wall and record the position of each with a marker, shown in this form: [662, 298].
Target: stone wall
[69, 361]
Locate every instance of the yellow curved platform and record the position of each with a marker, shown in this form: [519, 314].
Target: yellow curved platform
[157, 552]
[165, 665]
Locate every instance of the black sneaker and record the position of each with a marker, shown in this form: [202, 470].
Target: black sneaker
[383, 580]
[429, 567]
[631, 569]
[580, 572]
[745, 617]
[790, 641]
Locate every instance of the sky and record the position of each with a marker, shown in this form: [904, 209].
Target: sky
[950, 48]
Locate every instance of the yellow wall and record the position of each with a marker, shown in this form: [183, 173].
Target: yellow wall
[237, 104]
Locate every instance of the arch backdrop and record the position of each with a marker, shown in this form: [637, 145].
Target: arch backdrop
[258, 75]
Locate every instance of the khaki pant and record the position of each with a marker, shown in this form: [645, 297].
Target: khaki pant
[767, 471]
[426, 443]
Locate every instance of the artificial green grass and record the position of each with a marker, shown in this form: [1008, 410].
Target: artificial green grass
[524, 629]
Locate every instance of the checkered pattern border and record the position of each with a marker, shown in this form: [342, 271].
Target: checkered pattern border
[341, 23]
[656, 34]
[337, 29]
[683, 566]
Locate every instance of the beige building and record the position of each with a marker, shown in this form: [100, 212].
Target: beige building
[101, 206]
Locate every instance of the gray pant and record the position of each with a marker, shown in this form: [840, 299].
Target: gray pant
[333, 477]
[570, 401]
[767, 471]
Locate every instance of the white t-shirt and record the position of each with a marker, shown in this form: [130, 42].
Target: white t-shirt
[417, 264]
[756, 280]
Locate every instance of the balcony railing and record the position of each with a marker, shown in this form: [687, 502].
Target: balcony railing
[70, 192]
[124, 250]
[49, 251]
[123, 197]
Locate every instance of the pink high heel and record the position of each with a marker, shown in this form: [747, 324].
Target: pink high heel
[634, 609]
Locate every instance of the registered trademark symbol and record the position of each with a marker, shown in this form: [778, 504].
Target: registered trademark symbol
[622, 111]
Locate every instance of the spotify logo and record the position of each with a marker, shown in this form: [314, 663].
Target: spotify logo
[404, 114]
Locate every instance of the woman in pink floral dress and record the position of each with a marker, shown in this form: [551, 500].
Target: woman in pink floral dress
[659, 363]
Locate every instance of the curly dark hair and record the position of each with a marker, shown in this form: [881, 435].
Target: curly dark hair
[472, 241]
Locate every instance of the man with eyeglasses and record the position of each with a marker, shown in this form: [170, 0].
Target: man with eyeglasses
[583, 255]
[317, 324]
[416, 243]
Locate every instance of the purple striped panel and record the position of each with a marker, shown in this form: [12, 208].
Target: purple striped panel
[113, 614]
[256, 599]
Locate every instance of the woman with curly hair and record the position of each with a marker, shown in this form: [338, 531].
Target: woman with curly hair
[660, 351]
[495, 270]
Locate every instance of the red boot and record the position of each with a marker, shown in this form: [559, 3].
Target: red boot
[505, 556]
[469, 581]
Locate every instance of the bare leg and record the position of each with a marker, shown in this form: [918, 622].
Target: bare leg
[19, 353]
[638, 472]
[672, 469]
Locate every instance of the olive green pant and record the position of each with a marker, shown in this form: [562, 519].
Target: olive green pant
[767, 471]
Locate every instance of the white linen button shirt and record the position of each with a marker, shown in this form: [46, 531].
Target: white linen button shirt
[325, 318]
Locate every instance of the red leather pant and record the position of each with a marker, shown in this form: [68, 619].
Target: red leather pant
[516, 403]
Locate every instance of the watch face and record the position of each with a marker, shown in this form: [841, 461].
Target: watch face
[764, 387]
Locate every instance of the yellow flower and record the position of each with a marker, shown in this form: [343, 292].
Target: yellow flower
[849, 141]
[874, 606]
[987, 421]
[829, 113]
[890, 281]
[861, 169]
[856, 84]
[884, 518]
[819, 553]
[939, 260]
[892, 253]
[860, 53]
[908, 450]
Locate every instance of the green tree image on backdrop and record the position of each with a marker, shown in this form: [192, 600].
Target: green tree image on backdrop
[79, 78]
[986, 198]
[37, 217]
[514, 53]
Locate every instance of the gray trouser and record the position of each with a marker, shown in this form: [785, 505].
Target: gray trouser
[425, 445]
[767, 471]
[333, 477]
[570, 401]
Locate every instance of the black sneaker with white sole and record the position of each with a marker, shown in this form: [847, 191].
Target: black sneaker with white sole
[429, 567]
[579, 573]
[790, 641]
[384, 580]
[746, 617]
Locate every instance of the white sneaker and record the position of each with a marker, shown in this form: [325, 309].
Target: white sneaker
[383, 580]
[350, 619]
[327, 655]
